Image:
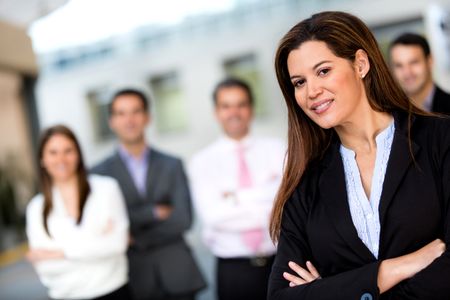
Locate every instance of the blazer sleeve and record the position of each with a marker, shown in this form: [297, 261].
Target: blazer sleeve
[293, 246]
[432, 283]
[140, 215]
[179, 220]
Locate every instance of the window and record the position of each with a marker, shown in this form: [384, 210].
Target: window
[386, 33]
[245, 68]
[98, 104]
[170, 113]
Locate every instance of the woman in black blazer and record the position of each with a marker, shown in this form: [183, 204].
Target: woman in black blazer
[340, 95]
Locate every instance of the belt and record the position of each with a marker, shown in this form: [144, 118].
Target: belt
[255, 261]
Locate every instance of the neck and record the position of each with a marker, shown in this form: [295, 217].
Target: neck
[135, 149]
[238, 137]
[69, 194]
[65, 184]
[360, 134]
[419, 98]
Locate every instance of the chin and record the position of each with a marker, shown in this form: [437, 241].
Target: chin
[324, 123]
[62, 177]
[326, 126]
[132, 139]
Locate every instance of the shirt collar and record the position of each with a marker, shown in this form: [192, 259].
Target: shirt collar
[383, 137]
[127, 157]
[230, 143]
[428, 103]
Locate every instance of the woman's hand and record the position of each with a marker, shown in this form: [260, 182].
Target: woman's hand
[426, 255]
[37, 255]
[394, 270]
[304, 275]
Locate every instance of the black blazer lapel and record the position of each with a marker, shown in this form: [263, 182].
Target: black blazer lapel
[400, 161]
[333, 191]
[441, 101]
[126, 182]
[153, 173]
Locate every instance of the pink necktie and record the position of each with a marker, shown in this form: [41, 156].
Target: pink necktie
[252, 238]
[245, 180]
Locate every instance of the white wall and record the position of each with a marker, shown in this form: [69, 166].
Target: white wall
[197, 55]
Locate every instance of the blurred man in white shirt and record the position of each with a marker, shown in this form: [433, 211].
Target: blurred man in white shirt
[234, 181]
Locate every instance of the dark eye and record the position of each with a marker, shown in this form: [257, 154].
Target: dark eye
[323, 71]
[298, 83]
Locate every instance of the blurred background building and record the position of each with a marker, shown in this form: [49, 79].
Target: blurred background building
[176, 63]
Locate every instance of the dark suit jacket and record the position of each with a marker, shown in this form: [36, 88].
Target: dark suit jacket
[414, 210]
[159, 259]
[441, 101]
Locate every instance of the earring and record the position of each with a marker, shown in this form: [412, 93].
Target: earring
[363, 75]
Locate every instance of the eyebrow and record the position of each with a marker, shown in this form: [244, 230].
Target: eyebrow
[314, 67]
[322, 62]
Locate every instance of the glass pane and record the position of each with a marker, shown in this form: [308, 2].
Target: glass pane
[245, 68]
[99, 106]
[170, 113]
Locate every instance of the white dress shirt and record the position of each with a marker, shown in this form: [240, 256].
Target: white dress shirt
[364, 211]
[225, 209]
[95, 262]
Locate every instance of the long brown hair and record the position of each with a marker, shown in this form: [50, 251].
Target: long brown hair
[344, 34]
[46, 180]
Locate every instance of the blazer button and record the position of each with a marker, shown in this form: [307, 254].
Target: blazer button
[366, 296]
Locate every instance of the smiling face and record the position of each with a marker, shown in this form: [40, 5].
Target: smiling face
[329, 89]
[411, 68]
[60, 158]
[129, 119]
[234, 111]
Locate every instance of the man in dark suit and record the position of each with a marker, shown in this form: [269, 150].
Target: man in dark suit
[411, 63]
[154, 184]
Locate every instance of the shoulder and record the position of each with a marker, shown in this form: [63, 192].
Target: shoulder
[35, 205]
[432, 133]
[158, 154]
[104, 165]
[307, 189]
[270, 144]
[421, 126]
[301, 200]
[431, 125]
[273, 141]
[206, 154]
[164, 158]
[440, 93]
[441, 101]
[103, 186]
[104, 189]
[101, 181]
[166, 163]
[204, 161]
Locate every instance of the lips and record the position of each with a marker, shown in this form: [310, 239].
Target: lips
[321, 106]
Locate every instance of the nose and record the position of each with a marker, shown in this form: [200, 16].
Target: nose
[407, 71]
[314, 89]
[234, 111]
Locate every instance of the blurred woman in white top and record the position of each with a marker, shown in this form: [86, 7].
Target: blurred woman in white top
[77, 226]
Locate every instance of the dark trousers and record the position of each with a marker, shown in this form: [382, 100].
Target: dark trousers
[163, 296]
[119, 294]
[186, 297]
[122, 293]
[243, 278]
[182, 297]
